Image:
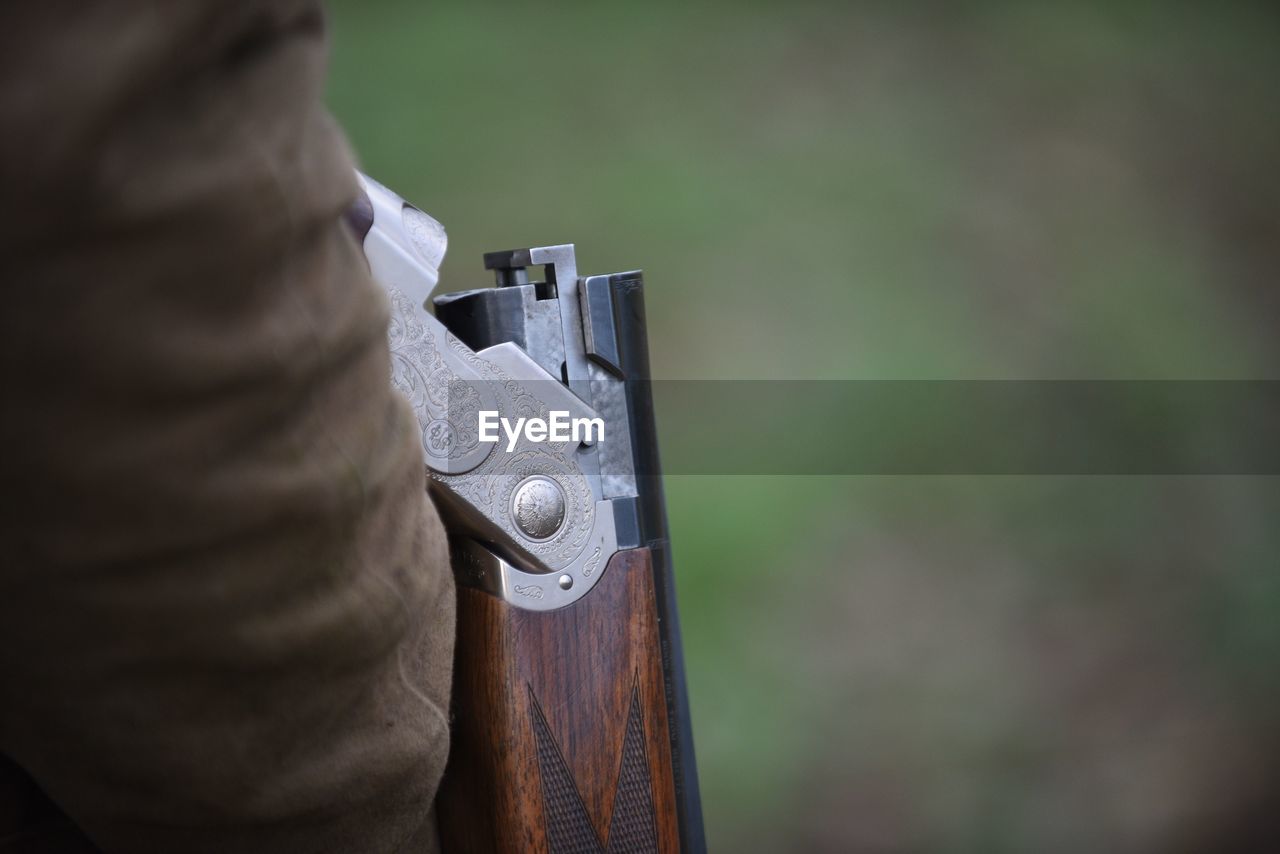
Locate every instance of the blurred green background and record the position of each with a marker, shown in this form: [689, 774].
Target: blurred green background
[836, 191]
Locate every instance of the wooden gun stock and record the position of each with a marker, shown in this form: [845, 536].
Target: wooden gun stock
[571, 730]
[561, 741]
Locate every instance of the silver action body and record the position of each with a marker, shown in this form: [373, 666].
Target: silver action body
[535, 523]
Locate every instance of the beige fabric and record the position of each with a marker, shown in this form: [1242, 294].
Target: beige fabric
[226, 619]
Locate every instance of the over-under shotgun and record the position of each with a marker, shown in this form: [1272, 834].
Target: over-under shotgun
[570, 719]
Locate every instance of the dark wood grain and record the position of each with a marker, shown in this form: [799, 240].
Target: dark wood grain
[560, 740]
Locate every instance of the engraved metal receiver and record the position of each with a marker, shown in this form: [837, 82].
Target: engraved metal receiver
[519, 350]
[549, 681]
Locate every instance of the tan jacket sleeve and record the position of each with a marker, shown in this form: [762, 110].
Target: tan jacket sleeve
[226, 617]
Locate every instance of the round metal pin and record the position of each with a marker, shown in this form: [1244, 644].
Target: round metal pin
[538, 508]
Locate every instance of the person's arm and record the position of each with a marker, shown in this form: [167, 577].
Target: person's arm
[226, 613]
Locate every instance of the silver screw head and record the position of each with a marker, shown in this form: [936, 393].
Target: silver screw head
[566, 582]
[538, 507]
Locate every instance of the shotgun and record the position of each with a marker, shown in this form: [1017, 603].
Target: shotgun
[570, 718]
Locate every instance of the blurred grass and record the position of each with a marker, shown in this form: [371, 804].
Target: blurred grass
[836, 191]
